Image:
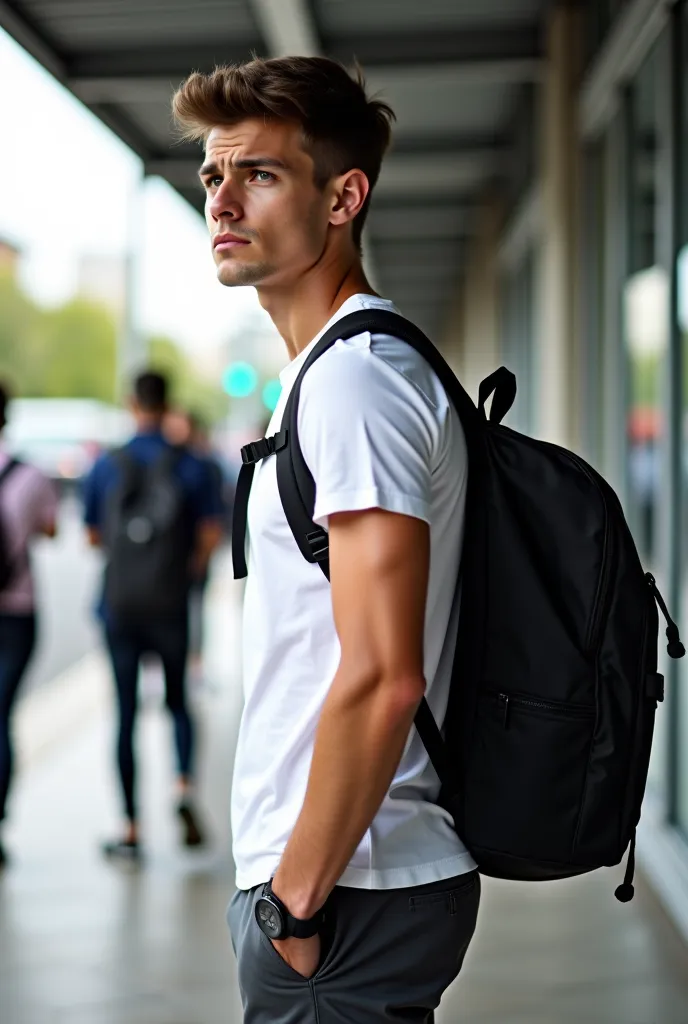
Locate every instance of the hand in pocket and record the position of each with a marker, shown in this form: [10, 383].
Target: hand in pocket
[302, 955]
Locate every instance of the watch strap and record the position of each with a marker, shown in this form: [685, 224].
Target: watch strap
[296, 927]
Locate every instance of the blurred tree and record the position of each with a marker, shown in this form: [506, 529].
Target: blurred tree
[188, 389]
[20, 350]
[71, 352]
[80, 351]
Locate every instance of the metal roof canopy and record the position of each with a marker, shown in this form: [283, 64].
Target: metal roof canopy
[455, 72]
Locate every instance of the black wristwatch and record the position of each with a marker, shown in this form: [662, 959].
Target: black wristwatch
[275, 921]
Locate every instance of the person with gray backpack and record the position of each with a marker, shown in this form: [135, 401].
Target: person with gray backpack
[154, 511]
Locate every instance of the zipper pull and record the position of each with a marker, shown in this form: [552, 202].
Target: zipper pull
[675, 648]
[504, 699]
[625, 891]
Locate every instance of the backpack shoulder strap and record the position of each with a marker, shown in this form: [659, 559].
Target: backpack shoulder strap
[295, 482]
[8, 470]
[297, 487]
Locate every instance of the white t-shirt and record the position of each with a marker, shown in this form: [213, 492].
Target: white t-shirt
[377, 431]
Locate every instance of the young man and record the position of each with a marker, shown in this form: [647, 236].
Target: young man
[28, 509]
[334, 798]
[159, 625]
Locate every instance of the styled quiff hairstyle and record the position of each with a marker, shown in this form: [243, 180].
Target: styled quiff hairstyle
[342, 128]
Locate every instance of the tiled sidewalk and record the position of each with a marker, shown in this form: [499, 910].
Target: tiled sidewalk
[81, 943]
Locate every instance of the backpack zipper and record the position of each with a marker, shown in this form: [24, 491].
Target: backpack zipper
[675, 648]
[600, 601]
[507, 701]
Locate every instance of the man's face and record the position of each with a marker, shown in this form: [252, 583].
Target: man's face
[268, 222]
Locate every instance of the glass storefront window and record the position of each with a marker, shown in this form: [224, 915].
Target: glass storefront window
[600, 14]
[645, 318]
[682, 276]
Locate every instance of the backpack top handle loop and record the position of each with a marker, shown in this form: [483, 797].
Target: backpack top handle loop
[503, 383]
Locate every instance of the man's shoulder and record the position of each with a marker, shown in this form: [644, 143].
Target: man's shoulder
[370, 366]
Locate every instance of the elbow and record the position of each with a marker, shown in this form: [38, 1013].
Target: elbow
[396, 695]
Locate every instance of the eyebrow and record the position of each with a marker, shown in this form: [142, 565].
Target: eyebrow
[247, 164]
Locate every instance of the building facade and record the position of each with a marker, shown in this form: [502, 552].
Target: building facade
[577, 279]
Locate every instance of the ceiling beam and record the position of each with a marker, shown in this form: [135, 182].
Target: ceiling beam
[419, 201]
[287, 27]
[182, 173]
[518, 50]
[32, 40]
[441, 173]
[149, 63]
[478, 145]
[124, 89]
[129, 133]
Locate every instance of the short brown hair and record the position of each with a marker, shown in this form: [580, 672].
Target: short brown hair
[343, 129]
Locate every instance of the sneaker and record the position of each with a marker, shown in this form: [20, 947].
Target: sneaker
[193, 835]
[123, 852]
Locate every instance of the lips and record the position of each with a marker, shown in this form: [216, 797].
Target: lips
[224, 242]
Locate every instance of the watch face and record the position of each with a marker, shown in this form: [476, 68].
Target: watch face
[269, 919]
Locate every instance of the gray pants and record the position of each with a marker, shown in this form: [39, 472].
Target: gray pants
[387, 955]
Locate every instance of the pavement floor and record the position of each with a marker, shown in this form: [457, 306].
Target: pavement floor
[83, 943]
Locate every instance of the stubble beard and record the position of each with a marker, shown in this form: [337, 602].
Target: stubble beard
[238, 276]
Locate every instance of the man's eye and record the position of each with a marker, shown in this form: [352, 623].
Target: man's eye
[263, 176]
[215, 181]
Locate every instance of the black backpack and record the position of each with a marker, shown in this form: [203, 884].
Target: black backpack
[545, 747]
[8, 565]
[147, 539]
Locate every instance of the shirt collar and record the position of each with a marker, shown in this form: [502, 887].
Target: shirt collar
[351, 305]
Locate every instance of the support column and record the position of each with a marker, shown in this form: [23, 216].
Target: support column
[558, 401]
[477, 308]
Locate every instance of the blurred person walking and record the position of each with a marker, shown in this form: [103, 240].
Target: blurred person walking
[187, 430]
[154, 510]
[356, 898]
[28, 509]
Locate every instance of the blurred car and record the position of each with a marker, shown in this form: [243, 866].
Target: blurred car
[64, 436]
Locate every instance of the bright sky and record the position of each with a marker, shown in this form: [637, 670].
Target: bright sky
[65, 187]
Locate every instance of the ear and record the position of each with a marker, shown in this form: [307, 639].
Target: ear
[350, 193]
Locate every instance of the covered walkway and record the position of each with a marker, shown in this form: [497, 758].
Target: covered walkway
[81, 943]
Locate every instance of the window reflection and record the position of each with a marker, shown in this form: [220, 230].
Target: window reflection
[645, 318]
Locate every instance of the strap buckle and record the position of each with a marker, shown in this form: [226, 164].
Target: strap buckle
[256, 451]
[319, 543]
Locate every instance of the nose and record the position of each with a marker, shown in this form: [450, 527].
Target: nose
[224, 203]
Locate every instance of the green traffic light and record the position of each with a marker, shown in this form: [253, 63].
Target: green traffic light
[240, 380]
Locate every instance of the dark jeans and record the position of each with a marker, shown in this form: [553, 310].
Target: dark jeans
[386, 955]
[127, 642]
[17, 641]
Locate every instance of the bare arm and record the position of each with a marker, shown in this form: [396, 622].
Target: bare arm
[208, 537]
[94, 536]
[379, 565]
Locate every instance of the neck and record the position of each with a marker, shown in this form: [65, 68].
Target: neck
[302, 309]
[148, 422]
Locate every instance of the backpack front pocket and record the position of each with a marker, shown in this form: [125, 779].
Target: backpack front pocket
[526, 775]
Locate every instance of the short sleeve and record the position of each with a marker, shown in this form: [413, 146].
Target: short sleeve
[368, 435]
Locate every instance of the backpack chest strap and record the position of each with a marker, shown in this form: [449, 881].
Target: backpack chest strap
[251, 455]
